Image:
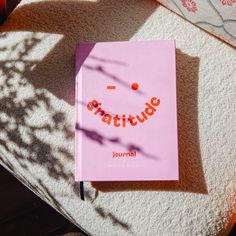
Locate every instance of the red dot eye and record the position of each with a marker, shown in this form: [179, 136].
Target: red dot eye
[135, 86]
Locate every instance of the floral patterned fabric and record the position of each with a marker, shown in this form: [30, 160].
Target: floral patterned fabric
[218, 17]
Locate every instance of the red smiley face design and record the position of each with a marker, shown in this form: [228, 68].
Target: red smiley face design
[122, 121]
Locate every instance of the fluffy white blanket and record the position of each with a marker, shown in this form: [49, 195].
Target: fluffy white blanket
[37, 118]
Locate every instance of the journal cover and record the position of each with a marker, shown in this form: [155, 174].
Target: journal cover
[126, 115]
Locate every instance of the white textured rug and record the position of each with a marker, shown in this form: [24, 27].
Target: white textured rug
[37, 118]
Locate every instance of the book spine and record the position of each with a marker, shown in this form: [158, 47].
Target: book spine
[78, 119]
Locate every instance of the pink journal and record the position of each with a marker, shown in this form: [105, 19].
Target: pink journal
[126, 115]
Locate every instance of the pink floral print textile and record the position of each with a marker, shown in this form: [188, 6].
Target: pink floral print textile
[218, 17]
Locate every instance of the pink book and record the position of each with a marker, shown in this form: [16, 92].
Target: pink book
[126, 116]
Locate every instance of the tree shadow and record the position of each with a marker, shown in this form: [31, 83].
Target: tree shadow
[191, 175]
[103, 140]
